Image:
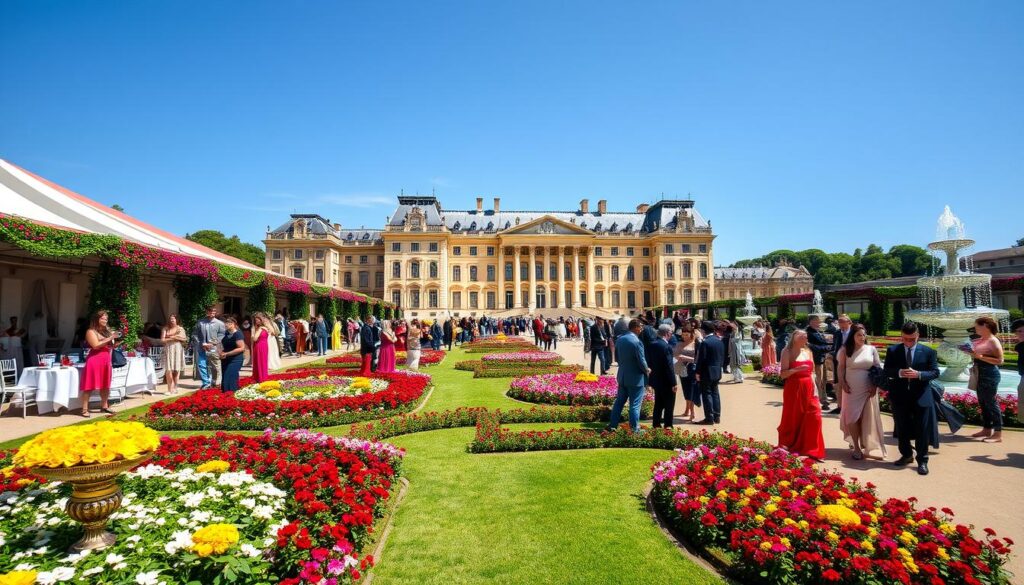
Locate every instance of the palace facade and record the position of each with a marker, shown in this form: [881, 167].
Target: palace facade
[435, 262]
[759, 281]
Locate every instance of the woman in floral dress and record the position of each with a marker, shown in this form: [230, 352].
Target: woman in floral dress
[174, 338]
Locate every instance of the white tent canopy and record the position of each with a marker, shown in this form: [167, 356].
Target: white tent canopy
[30, 196]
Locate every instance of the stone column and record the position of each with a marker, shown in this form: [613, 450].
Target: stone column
[443, 303]
[561, 278]
[500, 300]
[546, 279]
[517, 296]
[591, 299]
[575, 277]
[532, 273]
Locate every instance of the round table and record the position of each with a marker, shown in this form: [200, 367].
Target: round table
[56, 387]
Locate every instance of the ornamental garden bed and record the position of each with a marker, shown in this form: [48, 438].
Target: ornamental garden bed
[428, 357]
[293, 399]
[780, 519]
[572, 389]
[967, 404]
[483, 369]
[289, 507]
[496, 343]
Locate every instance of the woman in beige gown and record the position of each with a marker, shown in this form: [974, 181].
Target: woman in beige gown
[273, 352]
[861, 418]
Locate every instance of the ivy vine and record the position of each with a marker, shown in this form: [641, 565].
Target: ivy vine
[298, 305]
[261, 298]
[117, 290]
[194, 295]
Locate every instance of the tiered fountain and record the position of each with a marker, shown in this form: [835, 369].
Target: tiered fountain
[951, 302]
[818, 310]
[748, 316]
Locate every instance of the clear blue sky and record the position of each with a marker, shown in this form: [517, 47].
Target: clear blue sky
[793, 124]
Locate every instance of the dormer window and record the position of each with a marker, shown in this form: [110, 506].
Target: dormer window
[350, 236]
[490, 226]
[472, 227]
[457, 226]
[366, 236]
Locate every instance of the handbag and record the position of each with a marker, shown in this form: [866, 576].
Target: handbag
[878, 377]
[972, 382]
[117, 358]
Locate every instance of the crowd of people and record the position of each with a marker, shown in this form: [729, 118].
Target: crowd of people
[819, 363]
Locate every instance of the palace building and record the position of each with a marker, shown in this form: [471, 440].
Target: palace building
[435, 262]
[759, 281]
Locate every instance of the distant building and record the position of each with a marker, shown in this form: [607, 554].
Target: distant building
[782, 279]
[1002, 261]
[433, 261]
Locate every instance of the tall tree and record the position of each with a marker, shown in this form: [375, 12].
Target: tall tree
[871, 263]
[232, 246]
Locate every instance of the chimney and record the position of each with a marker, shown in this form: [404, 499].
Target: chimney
[602, 206]
[337, 227]
[497, 204]
[642, 208]
[479, 204]
[584, 206]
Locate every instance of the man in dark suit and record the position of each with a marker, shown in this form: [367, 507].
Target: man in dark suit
[838, 342]
[663, 378]
[710, 357]
[369, 341]
[909, 367]
[598, 346]
[820, 348]
[631, 377]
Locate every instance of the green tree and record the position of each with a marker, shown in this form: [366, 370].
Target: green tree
[869, 263]
[232, 246]
[913, 260]
[1019, 243]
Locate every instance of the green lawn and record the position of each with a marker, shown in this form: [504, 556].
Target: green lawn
[541, 517]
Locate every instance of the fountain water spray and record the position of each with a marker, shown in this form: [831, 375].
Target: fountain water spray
[952, 301]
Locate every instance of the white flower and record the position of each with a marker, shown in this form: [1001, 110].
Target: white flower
[25, 567]
[161, 521]
[250, 550]
[263, 512]
[147, 578]
[193, 499]
[92, 571]
[200, 516]
[113, 558]
[55, 576]
[120, 566]
[179, 540]
[248, 502]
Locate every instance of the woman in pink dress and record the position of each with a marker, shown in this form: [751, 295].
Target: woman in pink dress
[98, 370]
[768, 347]
[386, 361]
[260, 351]
[800, 429]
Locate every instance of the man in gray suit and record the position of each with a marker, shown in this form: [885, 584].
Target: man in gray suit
[631, 377]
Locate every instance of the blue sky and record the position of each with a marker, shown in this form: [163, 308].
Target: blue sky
[793, 124]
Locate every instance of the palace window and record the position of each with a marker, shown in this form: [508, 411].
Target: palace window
[396, 246]
[598, 251]
[670, 248]
[670, 270]
[396, 270]
[472, 274]
[599, 299]
[616, 299]
[629, 250]
[396, 298]
[599, 273]
[687, 270]
[670, 296]
[645, 252]
[348, 259]
[297, 254]
[490, 250]
[703, 295]
[687, 296]
[432, 246]
[472, 250]
[456, 273]
[414, 247]
[364, 259]
[553, 271]
[414, 269]
[686, 248]
[320, 275]
[631, 299]
[364, 280]
[319, 255]
[348, 279]
[703, 269]
[615, 250]
[630, 273]
[567, 271]
[645, 273]
[538, 271]
[415, 298]
[378, 279]
[433, 270]
[492, 299]
[297, 272]
[615, 273]
[583, 272]
[474, 300]
[508, 271]
[276, 254]
[702, 248]
[456, 300]
[432, 299]
[524, 270]
[457, 251]
[491, 274]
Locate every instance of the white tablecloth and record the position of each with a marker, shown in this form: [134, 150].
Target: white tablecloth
[59, 387]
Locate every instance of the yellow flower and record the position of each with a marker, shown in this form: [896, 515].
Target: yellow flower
[214, 539]
[783, 483]
[942, 554]
[838, 515]
[867, 546]
[785, 542]
[585, 377]
[759, 519]
[99, 442]
[771, 508]
[832, 537]
[947, 528]
[804, 524]
[907, 538]
[704, 499]
[270, 385]
[298, 394]
[722, 494]
[214, 466]
[273, 394]
[765, 546]
[322, 377]
[18, 578]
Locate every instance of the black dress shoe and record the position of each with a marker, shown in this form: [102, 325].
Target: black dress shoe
[903, 461]
[922, 469]
[706, 422]
[835, 410]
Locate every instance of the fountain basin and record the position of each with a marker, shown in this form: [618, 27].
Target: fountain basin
[1008, 382]
[958, 319]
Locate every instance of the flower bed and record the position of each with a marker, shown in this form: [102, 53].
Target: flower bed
[491, 344]
[568, 389]
[428, 357]
[526, 358]
[967, 404]
[288, 507]
[772, 375]
[482, 369]
[492, 438]
[311, 388]
[781, 520]
[212, 409]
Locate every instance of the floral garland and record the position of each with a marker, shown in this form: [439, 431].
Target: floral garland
[41, 240]
[240, 277]
[132, 255]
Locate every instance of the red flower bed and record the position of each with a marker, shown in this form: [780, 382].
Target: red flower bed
[428, 357]
[213, 409]
[335, 490]
[785, 521]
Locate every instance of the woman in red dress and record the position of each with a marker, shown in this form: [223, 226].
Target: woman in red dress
[260, 350]
[800, 429]
[98, 370]
[400, 335]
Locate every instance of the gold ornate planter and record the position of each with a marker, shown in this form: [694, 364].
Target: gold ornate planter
[96, 495]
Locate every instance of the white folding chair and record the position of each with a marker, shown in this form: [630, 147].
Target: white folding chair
[9, 371]
[119, 382]
[25, 394]
[156, 353]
